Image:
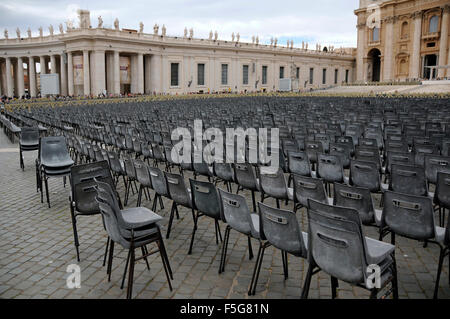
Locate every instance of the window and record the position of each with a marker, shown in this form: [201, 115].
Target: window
[346, 76]
[297, 73]
[224, 74]
[281, 72]
[433, 27]
[311, 75]
[404, 32]
[336, 73]
[324, 76]
[264, 74]
[376, 34]
[174, 74]
[201, 74]
[245, 74]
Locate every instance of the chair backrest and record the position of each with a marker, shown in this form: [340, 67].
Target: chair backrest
[365, 174]
[158, 180]
[343, 151]
[298, 163]
[329, 167]
[435, 164]
[280, 227]
[29, 135]
[224, 171]
[245, 175]
[308, 188]
[205, 198]
[357, 198]
[442, 194]
[368, 155]
[408, 215]
[336, 243]
[235, 212]
[421, 150]
[272, 182]
[408, 179]
[177, 189]
[53, 152]
[130, 170]
[82, 185]
[399, 158]
[142, 173]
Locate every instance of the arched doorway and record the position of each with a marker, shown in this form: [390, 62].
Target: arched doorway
[374, 66]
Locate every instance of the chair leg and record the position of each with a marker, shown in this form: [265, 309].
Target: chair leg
[165, 266]
[373, 293]
[125, 270]
[250, 289]
[46, 191]
[193, 232]
[162, 248]
[250, 249]
[285, 264]
[110, 260]
[224, 248]
[334, 283]
[258, 270]
[75, 233]
[254, 201]
[307, 283]
[394, 279]
[131, 274]
[106, 252]
[170, 220]
[161, 205]
[218, 232]
[438, 276]
[138, 203]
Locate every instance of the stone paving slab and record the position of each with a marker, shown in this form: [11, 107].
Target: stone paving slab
[36, 246]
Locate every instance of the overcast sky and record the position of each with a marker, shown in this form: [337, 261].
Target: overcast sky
[329, 22]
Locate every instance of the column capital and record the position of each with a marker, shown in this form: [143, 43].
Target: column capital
[446, 8]
[417, 15]
[360, 25]
[391, 19]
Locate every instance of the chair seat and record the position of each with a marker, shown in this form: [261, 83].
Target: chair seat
[57, 164]
[346, 180]
[378, 251]
[384, 187]
[56, 171]
[255, 225]
[440, 234]
[139, 217]
[313, 174]
[290, 193]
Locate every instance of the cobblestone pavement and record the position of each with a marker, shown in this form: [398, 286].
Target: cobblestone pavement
[36, 246]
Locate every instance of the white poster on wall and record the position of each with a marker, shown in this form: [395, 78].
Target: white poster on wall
[125, 74]
[78, 75]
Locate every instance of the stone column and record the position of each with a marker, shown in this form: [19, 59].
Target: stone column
[155, 69]
[147, 75]
[388, 50]
[443, 48]
[86, 73]
[53, 64]
[9, 79]
[70, 88]
[42, 64]
[417, 39]
[360, 52]
[99, 72]
[116, 73]
[32, 76]
[20, 78]
[63, 75]
[140, 73]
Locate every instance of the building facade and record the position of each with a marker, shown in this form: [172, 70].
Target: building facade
[401, 40]
[97, 60]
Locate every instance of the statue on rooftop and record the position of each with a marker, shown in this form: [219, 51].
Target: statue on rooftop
[18, 33]
[100, 22]
[232, 37]
[238, 36]
[61, 28]
[50, 29]
[210, 35]
[5, 33]
[41, 31]
[191, 33]
[216, 36]
[69, 25]
[29, 32]
[271, 41]
[185, 32]
[275, 42]
[253, 39]
[155, 29]
[257, 40]
[141, 27]
[163, 30]
[116, 24]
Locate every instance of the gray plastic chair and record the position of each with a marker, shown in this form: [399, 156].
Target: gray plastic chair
[246, 179]
[442, 195]
[205, 200]
[179, 194]
[135, 229]
[337, 246]
[281, 229]
[366, 174]
[143, 177]
[238, 217]
[159, 185]
[273, 184]
[408, 180]
[435, 164]
[413, 217]
[28, 141]
[309, 188]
